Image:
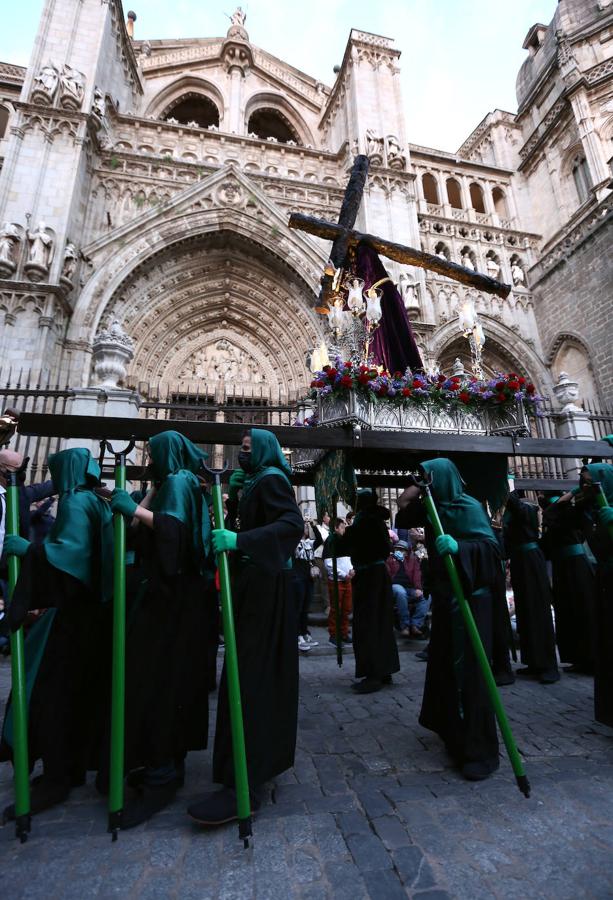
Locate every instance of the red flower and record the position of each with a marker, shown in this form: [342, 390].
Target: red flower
[330, 372]
[346, 381]
[406, 392]
[397, 374]
[348, 365]
[441, 378]
[464, 396]
[363, 368]
[512, 375]
[530, 389]
[314, 384]
[513, 385]
[363, 378]
[500, 386]
[501, 398]
[382, 391]
[454, 385]
[416, 382]
[521, 379]
[319, 383]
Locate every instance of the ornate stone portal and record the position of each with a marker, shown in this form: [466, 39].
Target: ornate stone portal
[222, 362]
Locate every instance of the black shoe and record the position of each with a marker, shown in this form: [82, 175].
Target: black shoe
[479, 770]
[367, 686]
[148, 801]
[527, 672]
[348, 639]
[504, 678]
[218, 808]
[44, 795]
[422, 654]
[549, 676]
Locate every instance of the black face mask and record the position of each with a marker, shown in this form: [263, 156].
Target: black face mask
[244, 460]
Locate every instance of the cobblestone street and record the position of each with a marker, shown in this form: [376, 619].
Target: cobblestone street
[372, 809]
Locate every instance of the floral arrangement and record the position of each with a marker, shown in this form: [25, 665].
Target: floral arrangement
[460, 391]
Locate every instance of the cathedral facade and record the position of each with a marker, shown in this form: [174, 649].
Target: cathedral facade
[146, 188]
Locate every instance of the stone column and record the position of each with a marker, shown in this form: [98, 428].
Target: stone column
[573, 422]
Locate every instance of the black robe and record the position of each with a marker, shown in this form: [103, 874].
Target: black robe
[265, 619]
[367, 543]
[531, 588]
[167, 675]
[64, 713]
[574, 585]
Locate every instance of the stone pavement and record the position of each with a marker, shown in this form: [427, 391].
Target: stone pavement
[371, 810]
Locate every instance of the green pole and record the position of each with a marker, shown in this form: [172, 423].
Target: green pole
[18, 675]
[603, 503]
[239, 754]
[475, 638]
[118, 677]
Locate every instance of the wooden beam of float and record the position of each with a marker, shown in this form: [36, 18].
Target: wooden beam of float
[408, 256]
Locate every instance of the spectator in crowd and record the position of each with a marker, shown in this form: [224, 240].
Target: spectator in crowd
[345, 573]
[302, 584]
[405, 573]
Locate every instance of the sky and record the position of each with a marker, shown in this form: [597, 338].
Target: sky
[459, 60]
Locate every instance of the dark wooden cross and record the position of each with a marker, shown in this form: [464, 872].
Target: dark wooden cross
[344, 237]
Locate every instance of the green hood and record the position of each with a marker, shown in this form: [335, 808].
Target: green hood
[462, 516]
[175, 462]
[71, 469]
[266, 459]
[81, 539]
[603, 472]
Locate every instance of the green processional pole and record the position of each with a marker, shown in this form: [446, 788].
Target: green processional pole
[239, 754]
[118, 682]
[19, 700]
[475, 638]
[602, 503]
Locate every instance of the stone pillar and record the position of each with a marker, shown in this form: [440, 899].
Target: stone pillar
[573, 422]
[102, 402]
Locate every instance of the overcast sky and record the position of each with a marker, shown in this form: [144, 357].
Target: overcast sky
[459, 60]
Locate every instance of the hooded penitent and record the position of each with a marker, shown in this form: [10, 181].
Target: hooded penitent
[266, 459]
[603, 473]
[81, 537]
[175, 464]
[461, 515]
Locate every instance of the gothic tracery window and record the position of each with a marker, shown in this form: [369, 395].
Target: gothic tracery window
[193, 108]
[476, 197]
[454, 194]
[270, 123]
[430, 188]
[581, 177]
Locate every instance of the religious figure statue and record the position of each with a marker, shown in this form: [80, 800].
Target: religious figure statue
[46, 82]
[408, 291]
[41, 251]
[517, 274]
[395, 156]
[72, 87]
[98, 104]
[238, 17]
[70, 262]
[374, 145]
[493, 269]
[441, 254]
[9, 238]
[467, 261]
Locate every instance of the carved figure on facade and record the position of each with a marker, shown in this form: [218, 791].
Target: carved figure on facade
[395, 155]
[98, 105]
[493, 269]
[113, 351]
[238, 17]
[409, 291]
[466, 261]
[374, 146]
[72, 87]
[46, 83]
[221, 362]
[40, 255]
[71, 257]
[9, 241]
[518, 275]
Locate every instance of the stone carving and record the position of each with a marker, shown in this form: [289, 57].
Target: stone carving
[567, 392]
[40, 254]
[517, 274]
[395, 155]
[72, 88]
[238, 17]
[458, 367]
[374, 146]
[222, 361]
[193, 124]
[493, 269]
[409, 291]
[45, 83]
[98, 104]
[71, 256]
[9, 240]
[467, 261]
[113, 351]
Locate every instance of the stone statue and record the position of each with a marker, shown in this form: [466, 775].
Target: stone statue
[493, 269]
[374, 145]
[41, 249]
[98, 105]
[395, 156]
[113, 351]
[441, 254]
[408, 291]
[46, 82]
[9, 239]
[72, 87]
[458, 367]
[517, 274]
[70, 261]
[238, 17]
[467, 261]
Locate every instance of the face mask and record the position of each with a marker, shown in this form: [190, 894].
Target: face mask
[399, 555]
[244, 460]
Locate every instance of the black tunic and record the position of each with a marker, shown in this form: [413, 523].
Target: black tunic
[166, 648]
[265, 618]
[531, 588]
[64, 712]
[367, 543]
[574, 585]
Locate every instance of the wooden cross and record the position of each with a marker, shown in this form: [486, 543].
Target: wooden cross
[344, 237]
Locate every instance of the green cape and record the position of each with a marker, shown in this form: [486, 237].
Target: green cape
[603, 472]
[175, 462]
[81, 537]
[461, 516]
[266, 459]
